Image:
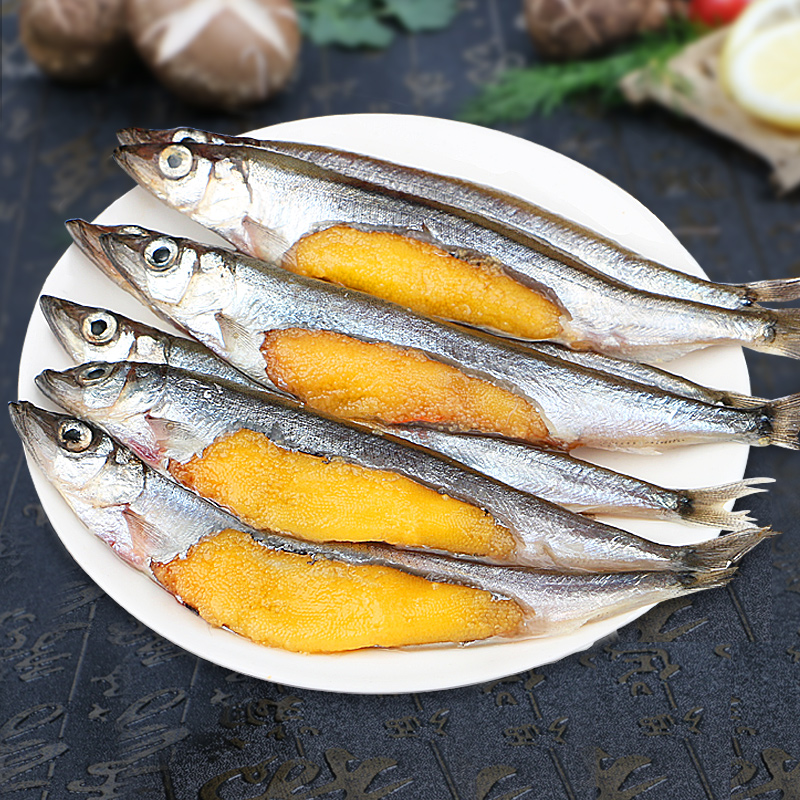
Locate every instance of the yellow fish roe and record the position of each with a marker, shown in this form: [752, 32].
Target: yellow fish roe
[345, 377]
[425, 278]
[321, 499]
[321, 606]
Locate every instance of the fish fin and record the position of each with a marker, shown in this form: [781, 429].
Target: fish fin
[145, 538]
[706, 579]
[785, 322]
[263, 242]
[233, 333]
[736, 400]
[724, 551]
[707, 506]
[784, 418]
[774, 291]
[179, 440]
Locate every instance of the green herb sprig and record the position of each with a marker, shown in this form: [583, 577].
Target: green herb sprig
[542, 89]
[371, 23]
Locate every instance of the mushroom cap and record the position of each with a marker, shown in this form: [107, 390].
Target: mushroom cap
[75, 40]
[218, 53]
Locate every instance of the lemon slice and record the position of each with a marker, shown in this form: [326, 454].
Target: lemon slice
[763, 74]
[757, 17]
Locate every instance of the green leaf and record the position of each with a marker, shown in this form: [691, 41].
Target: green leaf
[349, 23]
[363, 23]
[422, 15]
[541, 89]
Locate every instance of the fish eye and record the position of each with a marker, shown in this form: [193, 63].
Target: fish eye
[175, 161]
[94, 374]
[99, 328]
[161, 254]
[74, 435]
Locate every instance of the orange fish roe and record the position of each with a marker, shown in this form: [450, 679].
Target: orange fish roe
[332, 500]
[317, 605]
[345, 377]
[427, 279]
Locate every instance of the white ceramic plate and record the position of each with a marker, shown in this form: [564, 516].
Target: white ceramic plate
[474, 153]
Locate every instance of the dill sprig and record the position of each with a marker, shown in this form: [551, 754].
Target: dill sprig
[541, 89]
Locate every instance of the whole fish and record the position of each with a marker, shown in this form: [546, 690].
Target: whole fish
[167, 532]
[95, 334]
[233, 303]
[553, 231]
[265, 202]
[169, 417]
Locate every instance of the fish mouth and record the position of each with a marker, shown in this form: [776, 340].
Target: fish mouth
[58, 387]
[61, 314]
[86, 236]
[141, 136]
[140, 161]
[36, 428]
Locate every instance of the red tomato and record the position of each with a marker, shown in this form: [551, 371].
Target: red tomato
[715, 12]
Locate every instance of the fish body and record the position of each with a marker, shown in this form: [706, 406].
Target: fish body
[230, 301]
[551, 230]
[152, 522]
[166, 415]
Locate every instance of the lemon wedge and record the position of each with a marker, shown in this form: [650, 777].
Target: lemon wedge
[760, 64]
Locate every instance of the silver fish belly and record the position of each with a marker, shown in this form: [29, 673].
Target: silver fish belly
[552, 230]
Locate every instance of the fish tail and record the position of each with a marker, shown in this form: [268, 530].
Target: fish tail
[707, 579]
[783, 416]
[707, 506]
[724, 551]
[782, 332]
[774, 291]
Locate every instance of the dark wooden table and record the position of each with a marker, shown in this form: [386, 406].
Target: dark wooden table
[698, 692]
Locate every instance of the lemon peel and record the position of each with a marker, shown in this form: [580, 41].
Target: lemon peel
[760, 62]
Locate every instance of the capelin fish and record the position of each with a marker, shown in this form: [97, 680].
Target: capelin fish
[90, 333]
[553, 231]
[355, 356]
[306, 597]
[585, 487]
[466, 268]
[280, 467]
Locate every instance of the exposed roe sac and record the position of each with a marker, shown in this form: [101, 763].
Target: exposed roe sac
[310, 605]
[349, 378]
[324, 499]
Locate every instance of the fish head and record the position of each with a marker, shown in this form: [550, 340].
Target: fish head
[99, 478]
[207, 182]
[123, 398]
[88, 333]
[86, 236]
[187, 282]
